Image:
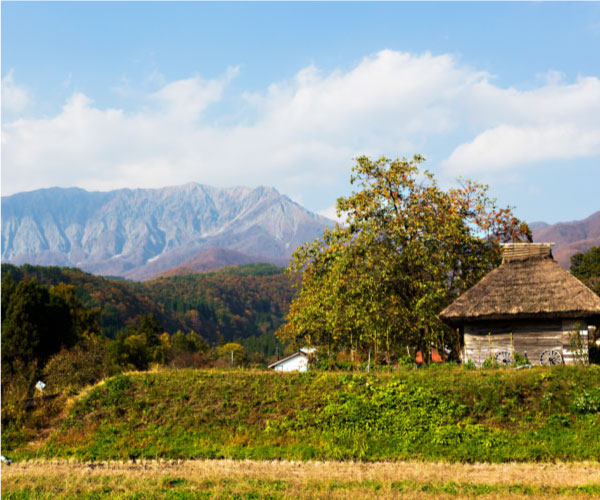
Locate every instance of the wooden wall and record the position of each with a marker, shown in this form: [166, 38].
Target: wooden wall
[484, 340]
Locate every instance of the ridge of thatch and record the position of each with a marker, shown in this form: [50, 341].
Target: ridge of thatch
[523, 251]
[528, 284]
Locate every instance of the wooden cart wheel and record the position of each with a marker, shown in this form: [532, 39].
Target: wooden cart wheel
[551, 357]
[503, 358]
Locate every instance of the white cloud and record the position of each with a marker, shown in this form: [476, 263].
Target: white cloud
[15, 98]
[507, 146]
[303, 133]
[555, 121]
[185, 100]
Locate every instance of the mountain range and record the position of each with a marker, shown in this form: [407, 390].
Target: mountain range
[139, 233]
[569, 237]
[143, 233]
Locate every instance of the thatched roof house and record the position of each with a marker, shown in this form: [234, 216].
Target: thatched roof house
[528, 304]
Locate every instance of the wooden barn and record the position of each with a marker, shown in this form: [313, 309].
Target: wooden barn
[529, 305]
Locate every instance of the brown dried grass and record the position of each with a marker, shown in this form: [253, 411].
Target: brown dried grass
[552, 474]
[335, 480]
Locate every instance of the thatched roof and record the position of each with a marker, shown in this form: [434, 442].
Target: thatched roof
[528, 284]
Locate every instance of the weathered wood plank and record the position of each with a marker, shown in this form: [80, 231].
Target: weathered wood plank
[484, 339]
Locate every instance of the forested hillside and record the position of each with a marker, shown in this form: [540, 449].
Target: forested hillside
[223, 306]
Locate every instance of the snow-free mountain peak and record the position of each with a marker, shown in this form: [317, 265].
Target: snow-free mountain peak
[136, 233]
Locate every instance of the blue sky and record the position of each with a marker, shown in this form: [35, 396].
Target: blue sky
[108, 95]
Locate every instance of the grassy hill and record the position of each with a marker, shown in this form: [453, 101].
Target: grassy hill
[448, 414]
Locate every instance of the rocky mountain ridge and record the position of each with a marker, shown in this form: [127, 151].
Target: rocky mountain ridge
[137, 233]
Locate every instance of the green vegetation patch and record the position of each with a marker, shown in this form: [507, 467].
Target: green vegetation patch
[446, 414]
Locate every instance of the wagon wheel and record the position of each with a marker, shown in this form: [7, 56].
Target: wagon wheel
[503, 358]
[551, 357]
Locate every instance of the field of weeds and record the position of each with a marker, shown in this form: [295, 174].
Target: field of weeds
[227, 479]
[446, 414]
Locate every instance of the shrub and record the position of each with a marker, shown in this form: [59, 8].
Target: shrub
[519, 359]
[588, 402]
[16, 388]
[231, 350]
[86, 363]
[490, 363]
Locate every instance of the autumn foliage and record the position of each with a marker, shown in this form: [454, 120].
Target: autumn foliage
[407, 249]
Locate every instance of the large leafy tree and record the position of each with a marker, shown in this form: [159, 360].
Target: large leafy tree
[407, 249]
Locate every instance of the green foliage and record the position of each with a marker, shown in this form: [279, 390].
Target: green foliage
[118, 302]
[435, 414]
[578, 345]
[244, 304]
[588, 401]
[519, 359]
[469, 365]
[188, 342]
[256, 269]
[141, 343]
[84, 364]
[489, 363]
[231, 352]
[16, 388]
[262, 348]
[37, 322]
[586, 267]
[227, 305]
[408, 248]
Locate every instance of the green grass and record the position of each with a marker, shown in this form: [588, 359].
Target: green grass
[447, 414]
[272, 489]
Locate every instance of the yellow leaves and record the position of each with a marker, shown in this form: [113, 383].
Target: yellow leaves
[407, 249]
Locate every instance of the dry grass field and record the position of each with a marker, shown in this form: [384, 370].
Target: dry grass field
[225, 479]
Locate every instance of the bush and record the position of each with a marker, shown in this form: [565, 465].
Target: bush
[519, 359]
[16, 388]
[85, 364]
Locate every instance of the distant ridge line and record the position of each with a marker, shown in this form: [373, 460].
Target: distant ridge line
[142, 232]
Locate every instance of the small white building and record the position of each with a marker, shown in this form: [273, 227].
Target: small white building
[297, 362]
